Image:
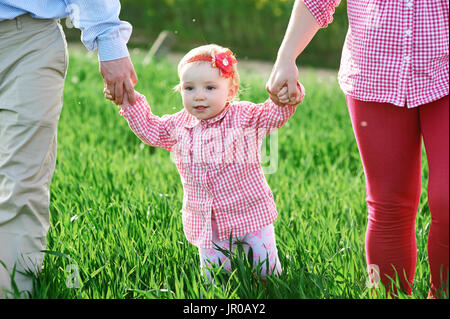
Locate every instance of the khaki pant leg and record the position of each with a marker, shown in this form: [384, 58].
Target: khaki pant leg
[33, 63]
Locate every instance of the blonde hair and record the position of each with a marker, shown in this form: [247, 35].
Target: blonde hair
[211, 50]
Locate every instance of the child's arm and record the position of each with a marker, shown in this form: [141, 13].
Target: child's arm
[151, 129]
[269, 115]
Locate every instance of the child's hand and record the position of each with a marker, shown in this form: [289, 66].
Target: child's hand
[283, 95]
[108, 96]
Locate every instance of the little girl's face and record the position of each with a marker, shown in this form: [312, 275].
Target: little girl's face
[204, 92]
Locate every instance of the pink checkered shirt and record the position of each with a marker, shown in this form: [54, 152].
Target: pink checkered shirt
[395, 51]
[219, 163]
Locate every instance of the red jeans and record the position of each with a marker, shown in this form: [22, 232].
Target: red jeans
[390, 144]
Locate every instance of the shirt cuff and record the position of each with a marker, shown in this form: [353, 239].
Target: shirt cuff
[111, 49]
[113, 45]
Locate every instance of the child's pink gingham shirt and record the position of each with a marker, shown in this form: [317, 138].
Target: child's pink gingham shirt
[219, 163]
[395, 51]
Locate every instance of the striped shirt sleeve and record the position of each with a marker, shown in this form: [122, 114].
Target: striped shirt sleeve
[322, 10]
[101, 27]
[151, 129]
[266, 115]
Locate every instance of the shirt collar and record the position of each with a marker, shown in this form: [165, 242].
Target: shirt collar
[193, 121]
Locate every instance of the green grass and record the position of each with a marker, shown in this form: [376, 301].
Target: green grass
[115, 204]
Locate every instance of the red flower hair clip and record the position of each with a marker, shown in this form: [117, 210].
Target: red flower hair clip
[223, 61]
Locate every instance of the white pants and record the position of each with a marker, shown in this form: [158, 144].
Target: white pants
[33, 64]
[262, 243]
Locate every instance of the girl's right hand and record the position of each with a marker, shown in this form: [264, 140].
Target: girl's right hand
[108, 96]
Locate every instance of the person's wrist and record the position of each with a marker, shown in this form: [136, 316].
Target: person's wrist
[285, 56]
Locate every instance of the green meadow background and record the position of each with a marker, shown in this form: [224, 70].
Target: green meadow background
[116, 229]
[252, 28]
[115, 203]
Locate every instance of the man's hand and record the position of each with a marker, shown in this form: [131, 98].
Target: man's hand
[120, 78]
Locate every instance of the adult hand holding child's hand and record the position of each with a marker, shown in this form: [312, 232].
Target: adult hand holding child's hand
[120, 79]
[125, 100]
[284, 75]
[284, 98]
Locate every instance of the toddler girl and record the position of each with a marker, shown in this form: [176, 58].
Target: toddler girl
[215, 145]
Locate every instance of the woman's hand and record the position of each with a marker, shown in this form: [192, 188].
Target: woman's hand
[284, 75]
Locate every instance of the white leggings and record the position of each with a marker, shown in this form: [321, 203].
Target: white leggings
[261, 241]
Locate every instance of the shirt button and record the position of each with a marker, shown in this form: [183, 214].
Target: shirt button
[408, 32]
[409, 4]
[407, 58]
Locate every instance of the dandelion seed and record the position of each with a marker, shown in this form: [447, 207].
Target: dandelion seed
[364, 123]
[193, 20]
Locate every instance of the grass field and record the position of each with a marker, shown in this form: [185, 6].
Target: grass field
[115, 203]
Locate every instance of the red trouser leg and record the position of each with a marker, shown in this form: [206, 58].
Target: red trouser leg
[434, 125]
[389, 142]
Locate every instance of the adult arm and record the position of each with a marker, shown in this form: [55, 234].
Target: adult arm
[307, 17]
[102, 29]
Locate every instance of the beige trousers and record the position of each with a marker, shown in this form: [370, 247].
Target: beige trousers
[33, 64]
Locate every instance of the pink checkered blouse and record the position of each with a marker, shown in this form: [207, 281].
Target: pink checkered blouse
[219, 163]
[395, 51]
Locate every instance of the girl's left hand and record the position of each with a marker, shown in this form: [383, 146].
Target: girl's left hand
[283, 95]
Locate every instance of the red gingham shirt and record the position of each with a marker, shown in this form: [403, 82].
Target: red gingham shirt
[219, 163]
[395, 51]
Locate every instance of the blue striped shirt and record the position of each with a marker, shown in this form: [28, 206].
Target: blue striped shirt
[98, 20]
